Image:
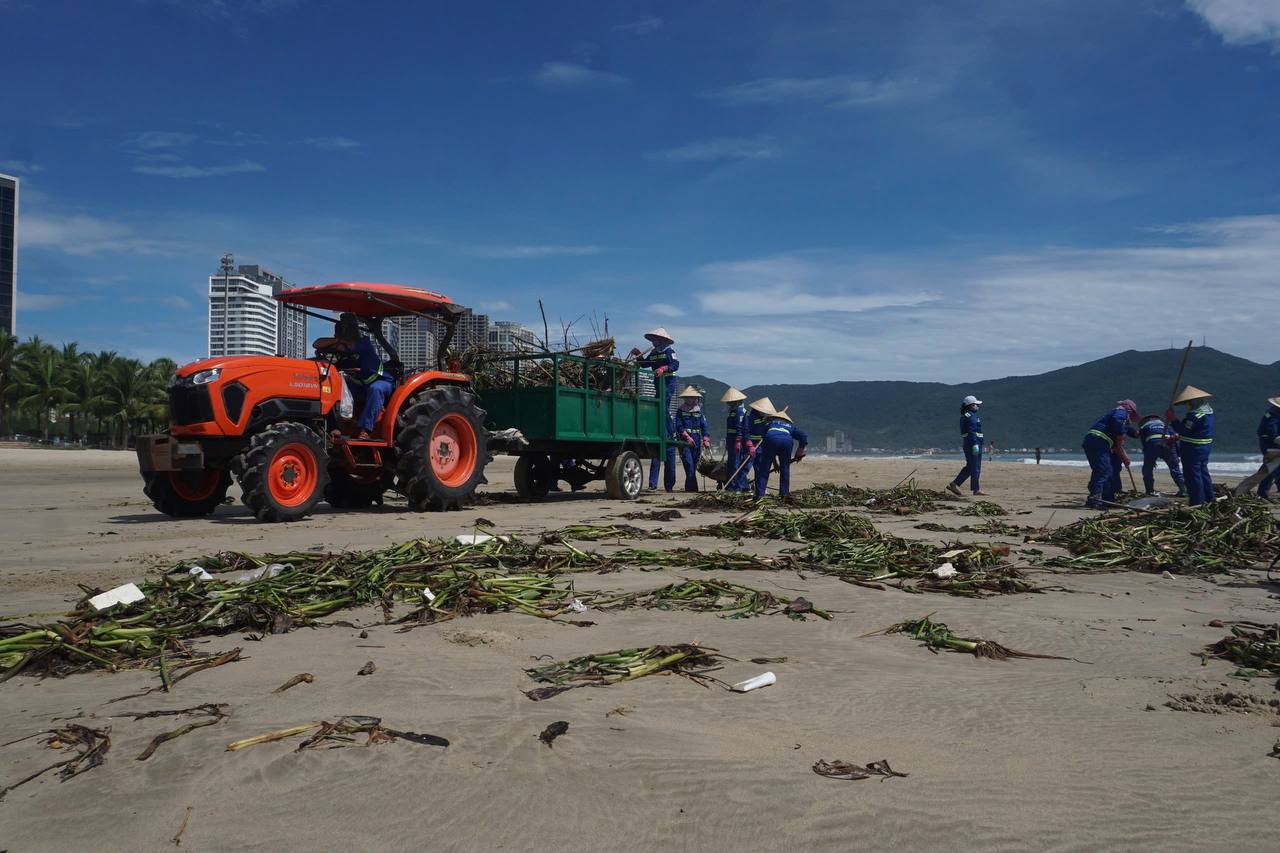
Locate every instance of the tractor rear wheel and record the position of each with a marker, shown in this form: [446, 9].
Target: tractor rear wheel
[534, 475]
[187, 494]
[284, 472]
[348, 492]
[624, 477]
[442, 448]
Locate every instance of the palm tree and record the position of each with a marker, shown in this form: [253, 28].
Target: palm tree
[41, 382]
[127, 389]
[8, 373]
[83, 382]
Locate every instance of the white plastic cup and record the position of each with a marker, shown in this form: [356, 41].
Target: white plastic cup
[762, 680]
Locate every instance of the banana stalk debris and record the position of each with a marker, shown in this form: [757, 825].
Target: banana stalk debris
[1226, 535]
[727, 599]
[600, 670]
[1253, 647]
[936, 635]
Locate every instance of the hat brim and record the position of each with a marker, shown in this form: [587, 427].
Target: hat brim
[1275, 401]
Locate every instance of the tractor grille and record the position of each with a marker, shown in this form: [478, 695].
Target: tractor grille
[190, 404]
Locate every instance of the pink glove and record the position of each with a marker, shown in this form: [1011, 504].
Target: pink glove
[737, 446]
[706, 442]
[751, 448]
[686, 438]
[660, 370]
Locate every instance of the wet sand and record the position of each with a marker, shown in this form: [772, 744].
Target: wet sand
[1013, 755]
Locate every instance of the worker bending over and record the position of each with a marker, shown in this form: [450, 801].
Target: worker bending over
[971, 438]
[1157, 446]
[737, 440]
[1195, 434]
[1097, 444]
[780, 437]
[366, 374]
[692, 435]
[1269, 443]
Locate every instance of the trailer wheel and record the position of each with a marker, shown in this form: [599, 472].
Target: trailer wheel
[624, 477]
[443, 448]
[534, 473]
[284, 472]
[186, 494]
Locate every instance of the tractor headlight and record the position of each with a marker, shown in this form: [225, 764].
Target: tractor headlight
[204, 377]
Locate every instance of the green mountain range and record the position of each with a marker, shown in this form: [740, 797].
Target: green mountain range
[1049, 410]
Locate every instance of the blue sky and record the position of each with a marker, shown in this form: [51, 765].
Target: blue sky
[800, 191]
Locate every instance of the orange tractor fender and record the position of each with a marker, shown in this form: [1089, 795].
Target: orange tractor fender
[407, 389]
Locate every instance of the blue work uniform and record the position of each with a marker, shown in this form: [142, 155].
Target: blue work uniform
[372, 383]
[660, 358]
[735, 446]
[691, 426]
[1268, 440]
[1195, 432]
[971, 438]
[669, 472]
[1097, 444]
[780, 437]
[1156, 449]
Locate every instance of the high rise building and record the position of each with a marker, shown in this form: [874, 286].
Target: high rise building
[8, 254]
[419, 337]
[506, 336]
[256, 324]
[472, 330]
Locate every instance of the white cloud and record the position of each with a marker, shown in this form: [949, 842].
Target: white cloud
[186, 170]
[724, 148]
[152, 140]
[819, 317]
[40, 301]
[643, 27]
[20, 167]
[1241, 21]
[662, 309]
[568, 75]
[838, 91]
[333, 143]
[532, 251]
[80, 234]
[166, 300]
[495, 305]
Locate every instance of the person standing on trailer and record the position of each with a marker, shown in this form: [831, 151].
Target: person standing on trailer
[1098, 443]
[737, 440]
[781, 436]
[661, 359]
[1195, 442]
[1157, 447]
[971, 438]
[1269, 444]
[693, 432]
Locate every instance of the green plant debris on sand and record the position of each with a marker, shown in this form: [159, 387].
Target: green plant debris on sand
[984, 509]
[689, 660]
[1228, 534]
[936, 635]
[767, 523]
[904, 499]
[729, 600]
[90, 745]
[1253, 647]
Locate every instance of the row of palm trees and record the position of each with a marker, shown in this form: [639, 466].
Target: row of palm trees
[60, 390]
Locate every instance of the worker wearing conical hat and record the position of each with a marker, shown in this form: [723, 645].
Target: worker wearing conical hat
[758, 411]
[692, 435]
[661, 359]
[1269, 444]
[1098, 444]
[737, 440]
[781, 438]
[1195, 442]
[1156, 447]
[971, 439]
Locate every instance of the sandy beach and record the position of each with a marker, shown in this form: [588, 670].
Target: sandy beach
[1001, 755]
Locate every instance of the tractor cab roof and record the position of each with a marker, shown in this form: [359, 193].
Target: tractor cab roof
[366, 299]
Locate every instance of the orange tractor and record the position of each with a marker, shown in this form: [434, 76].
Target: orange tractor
[273, 423]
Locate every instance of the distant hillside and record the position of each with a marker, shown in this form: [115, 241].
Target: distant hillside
[1049, 410]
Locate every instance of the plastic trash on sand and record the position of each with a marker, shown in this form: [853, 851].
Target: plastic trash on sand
[251, 575]
[577, 606]
[951, 555]
[428, 594]
[1166, 575]
[946, 570]
[764, 679]
[478, 538]
[196, 572]
[126, 594]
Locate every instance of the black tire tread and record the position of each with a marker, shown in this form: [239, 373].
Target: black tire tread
[253, 471]
[166, 500]
[414, 478]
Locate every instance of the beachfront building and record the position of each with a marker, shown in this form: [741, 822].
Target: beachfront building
[472, 330]
[245, 318]
[419, 337]
[8, 254]
[508, 336]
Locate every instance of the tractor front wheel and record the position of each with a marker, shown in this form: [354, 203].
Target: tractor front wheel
[442, 448]
[284, 472]
[187, 494]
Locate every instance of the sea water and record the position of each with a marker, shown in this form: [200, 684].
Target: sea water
[1226, 464]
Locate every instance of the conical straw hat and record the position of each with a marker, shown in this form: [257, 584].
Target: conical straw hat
[783, 416]
[690, 391]
[764, 406]
[1275, 401]
[733, 395]
[1190, 393]
[659, 333]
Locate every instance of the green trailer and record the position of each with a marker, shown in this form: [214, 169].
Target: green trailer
[580, 420]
